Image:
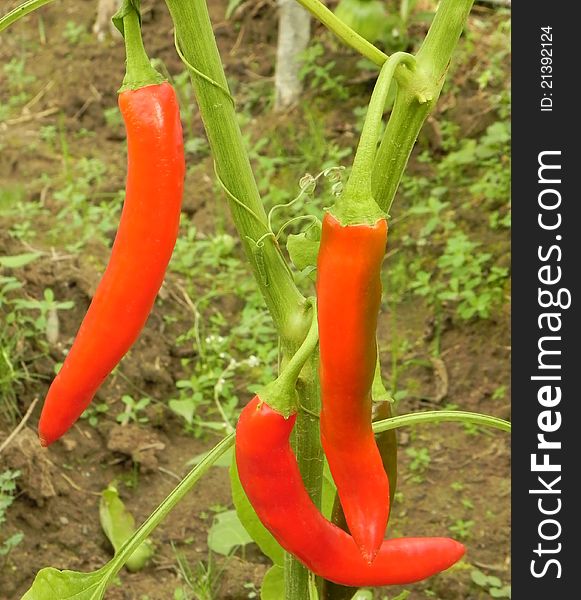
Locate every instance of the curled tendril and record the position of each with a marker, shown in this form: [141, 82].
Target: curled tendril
[239, 202]
[307, 187]
[311, 218]
[259, 243]
[308, 184]
[334, 174]
[199, 73]
[337, 188]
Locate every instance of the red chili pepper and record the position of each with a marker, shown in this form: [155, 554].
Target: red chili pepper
[270, 476]
[348, 298]
[141, 252]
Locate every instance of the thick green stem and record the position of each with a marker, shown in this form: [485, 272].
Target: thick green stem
[306, 443]
[281, 394]
[197, 45]
[403, 127]
[409, 112]
[288, 307]
[417, 93]
[309, 453]
[439, 44]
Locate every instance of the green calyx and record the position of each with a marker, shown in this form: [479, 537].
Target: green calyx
[357, 205]
[139, 72]
[281, 394]
[357, 209]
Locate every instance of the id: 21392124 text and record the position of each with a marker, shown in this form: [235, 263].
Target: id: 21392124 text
[546, 68]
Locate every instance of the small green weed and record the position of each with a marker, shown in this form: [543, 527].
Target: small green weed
[74, 32]
[7, 494]
[94, 412]
[201, 582]
[319, 74]
[461, 529]
[490, 583]
[132, 411]
[420, 459]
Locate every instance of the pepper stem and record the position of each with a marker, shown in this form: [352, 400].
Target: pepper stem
[356, 204]
[281, 394]
[139, 72]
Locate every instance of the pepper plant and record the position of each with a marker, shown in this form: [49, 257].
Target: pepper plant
[366, 201]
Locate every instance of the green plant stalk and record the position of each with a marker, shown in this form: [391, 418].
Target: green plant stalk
[403, 127]
[307, 448]
[344, 32]
[441, 40]
[351, 37]
[288, 307]
[281, 394]
[197, 45]
[409, 113]
[440, 416]
[20, 11]
[362, 164]
[305, 440]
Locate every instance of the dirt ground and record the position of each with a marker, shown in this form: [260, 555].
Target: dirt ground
[58, 492]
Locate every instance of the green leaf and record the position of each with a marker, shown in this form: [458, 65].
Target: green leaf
[302, 251]
[249, 519]
[273, 584]
[227, 533]
[52, 584]
[8, 545]
[18, 260]
[479, 578]
[119, 525]
[378, 391]
[328, 492]
[184, 408]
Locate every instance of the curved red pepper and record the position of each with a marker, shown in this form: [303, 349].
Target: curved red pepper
[348, 298]
[270, 476]
[141, 252]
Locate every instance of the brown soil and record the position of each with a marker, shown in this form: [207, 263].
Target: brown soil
[58, 491]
